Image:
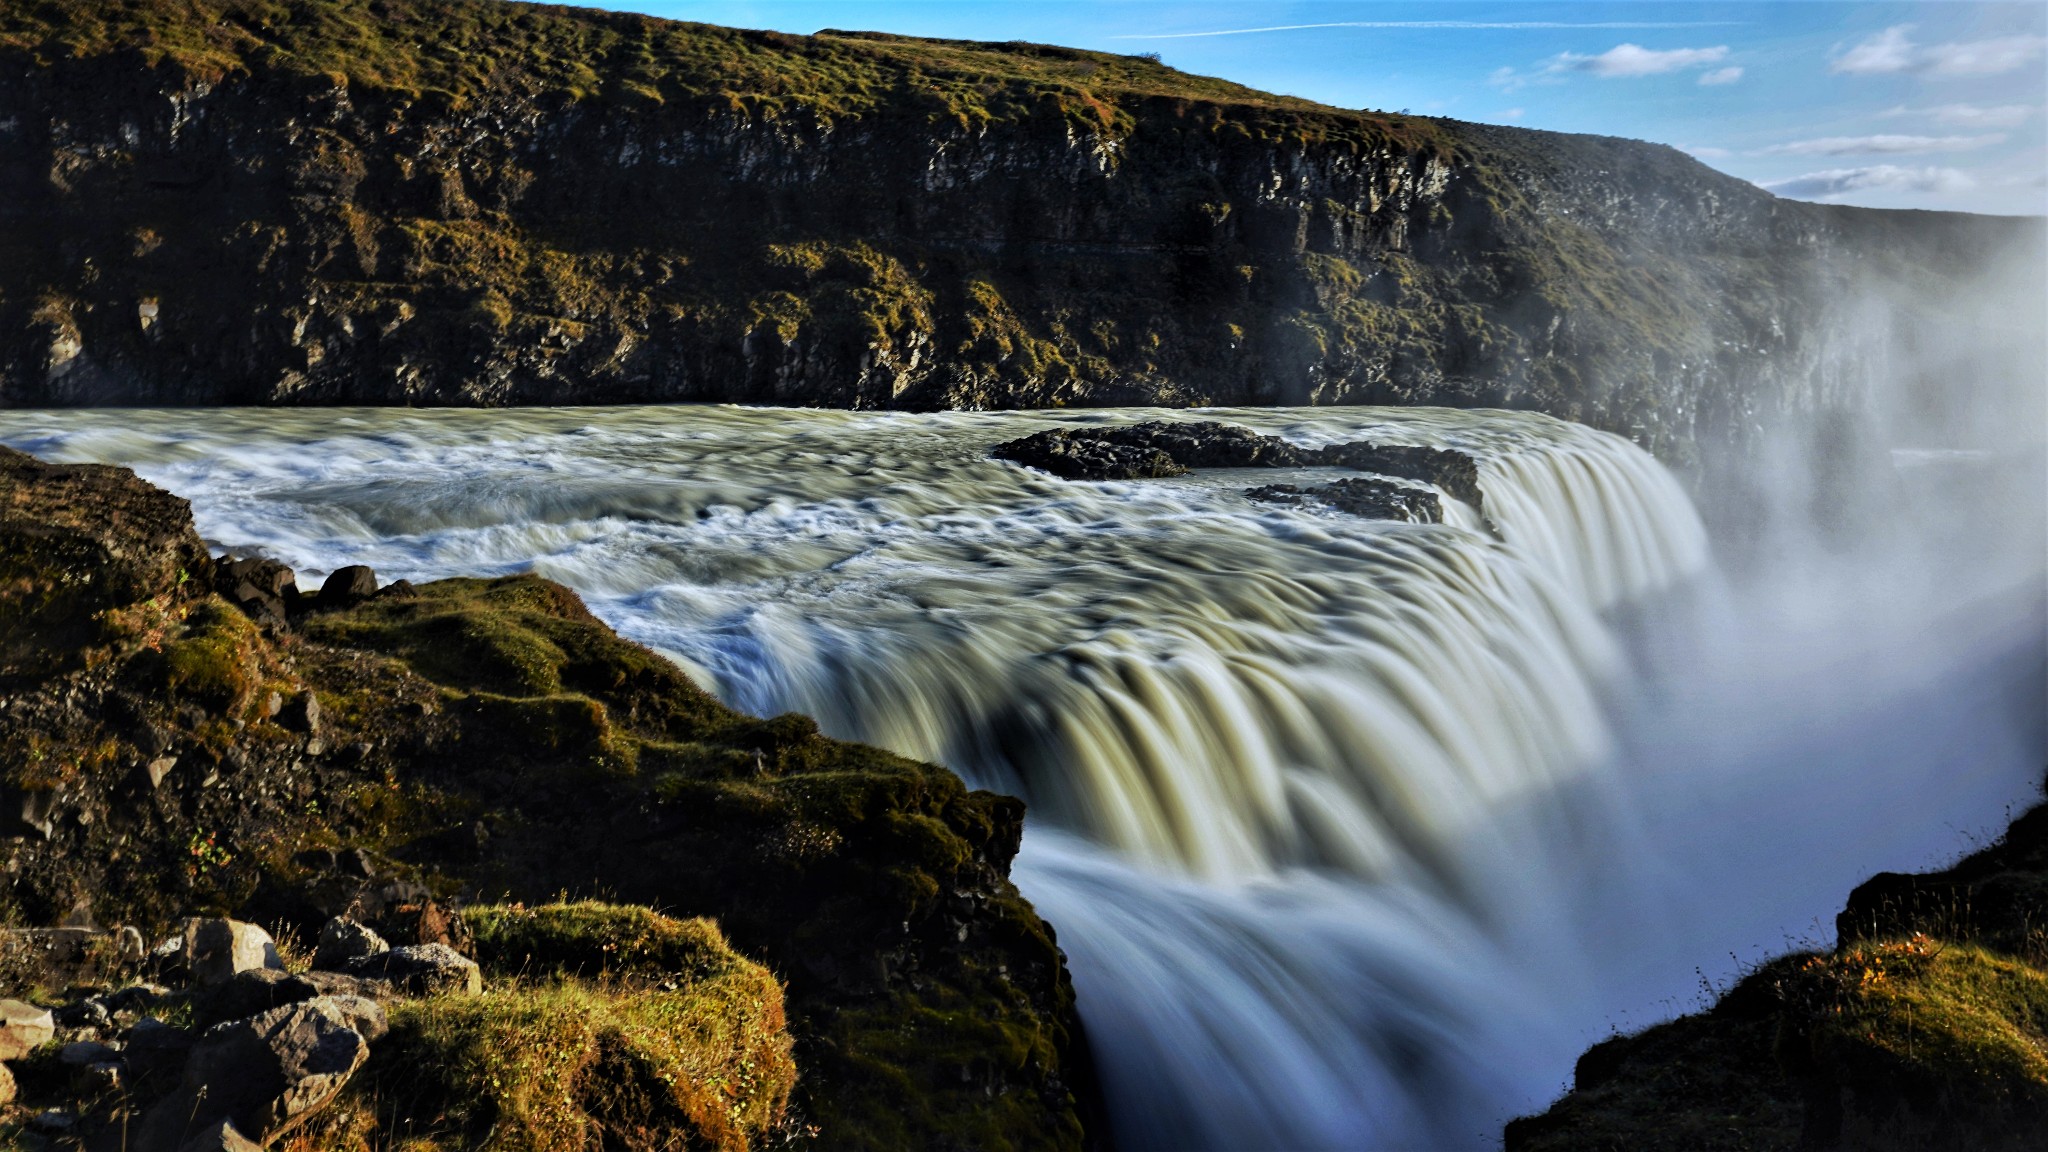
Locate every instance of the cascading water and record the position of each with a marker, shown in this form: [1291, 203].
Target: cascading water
[1316, 801]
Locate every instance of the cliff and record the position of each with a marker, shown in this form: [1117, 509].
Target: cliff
[183, 736]
[1925, 1027]
[483, 203]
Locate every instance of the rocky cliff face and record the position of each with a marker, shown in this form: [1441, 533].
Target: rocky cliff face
[385, 201]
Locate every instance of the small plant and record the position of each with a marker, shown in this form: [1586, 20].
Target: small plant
[205, 853]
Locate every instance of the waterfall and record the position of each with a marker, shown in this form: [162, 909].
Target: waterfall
[1313, 799]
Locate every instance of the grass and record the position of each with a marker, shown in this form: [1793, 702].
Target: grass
[557, 1063]
[593, 939]
[452, 50]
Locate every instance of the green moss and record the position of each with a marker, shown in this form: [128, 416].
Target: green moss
[1952, 1026]
[563, 1065]
[589, 938]
[214, 661]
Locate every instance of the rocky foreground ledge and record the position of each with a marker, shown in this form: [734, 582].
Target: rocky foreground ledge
[1925, 1028]
[336, 831]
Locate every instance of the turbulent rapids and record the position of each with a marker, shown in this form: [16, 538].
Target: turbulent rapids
[1311, 794]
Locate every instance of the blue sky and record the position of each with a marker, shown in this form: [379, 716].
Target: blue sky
[1927, 105]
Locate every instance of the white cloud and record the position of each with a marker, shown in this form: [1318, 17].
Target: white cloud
[1705, 151]
[1893, 51]
[1880, 145]
[1629, 60]
[1513, 114]
[1877, 178]
[1967, 115]
[1727, 75]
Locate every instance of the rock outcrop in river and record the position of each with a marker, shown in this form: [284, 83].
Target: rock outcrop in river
[181, 736]
[475, 202]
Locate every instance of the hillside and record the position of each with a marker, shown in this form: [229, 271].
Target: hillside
[476, 202]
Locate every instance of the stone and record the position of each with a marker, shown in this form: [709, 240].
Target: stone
[99, 1076]
[348, 585]
[1365, 497]
[88, 1052]
[423, 970]
[23, 1027]
[217, 950]
[301, 712]
[90, 1013]
[343, 940]
[220, 1137]
[8, 1089]
[154, 1050]
[258, 991]
[128, 943]
[266, 1075]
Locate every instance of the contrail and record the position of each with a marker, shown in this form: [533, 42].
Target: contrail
[1461, 25]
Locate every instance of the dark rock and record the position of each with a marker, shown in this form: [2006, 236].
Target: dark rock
[422, 969]
[1152, 449]
[90, 1013]
[218, 950]
[352, 584]
[302, 713]
[1453, 471]
[267, 1074]
[221, 1136]
[155, 1051]
[80, 1052]
[1367, 498]
[343, 941]
[261, 990]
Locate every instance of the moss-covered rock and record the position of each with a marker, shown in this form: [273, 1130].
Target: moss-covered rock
[1897, 1039]
[489, 742]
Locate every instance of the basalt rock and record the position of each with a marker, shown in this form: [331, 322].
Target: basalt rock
[1366, 498]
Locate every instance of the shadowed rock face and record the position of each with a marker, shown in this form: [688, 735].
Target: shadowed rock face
[461, 202]
[1367, 498]
[472, 738]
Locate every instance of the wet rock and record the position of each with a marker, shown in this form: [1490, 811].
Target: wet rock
[1171, 448]
[346, 586]
[1457, 473]
[1364, 497]
[343, 941]
[217, 950]
[423, 970]
[266, 1075]
[1152, 449]
[23, 1027]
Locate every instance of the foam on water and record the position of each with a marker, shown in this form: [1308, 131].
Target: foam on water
[1313, 798]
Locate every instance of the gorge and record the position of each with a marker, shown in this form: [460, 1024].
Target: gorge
[1616, 564]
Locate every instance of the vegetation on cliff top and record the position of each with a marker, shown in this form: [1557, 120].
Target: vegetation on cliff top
[456, 49]
[1926, 1027]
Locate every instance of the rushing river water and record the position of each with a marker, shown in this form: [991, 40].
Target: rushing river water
[1355, 832]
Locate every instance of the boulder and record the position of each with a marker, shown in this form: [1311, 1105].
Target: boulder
[343, 941]
[350, 585]
[154, 1050]
[23, 1027]
[217, 950]
[82, 1052]
[266, 1075]
[262, 989]
[423, 970]
[7, 1088]
[1365, 497]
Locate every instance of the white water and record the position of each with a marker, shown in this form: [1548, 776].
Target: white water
[1354, 832]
